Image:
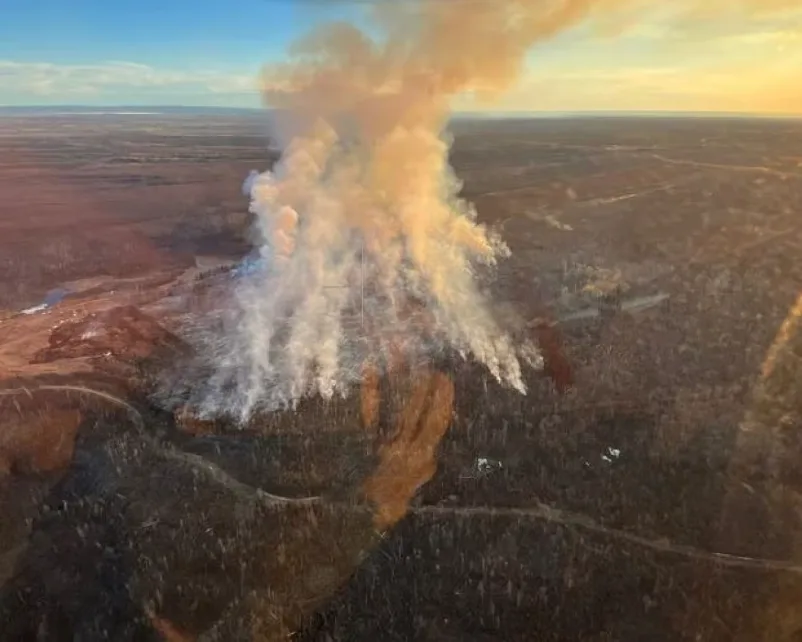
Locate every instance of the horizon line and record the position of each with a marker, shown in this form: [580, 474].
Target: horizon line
[128, 109]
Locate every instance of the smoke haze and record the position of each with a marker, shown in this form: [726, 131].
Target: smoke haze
[365, 242]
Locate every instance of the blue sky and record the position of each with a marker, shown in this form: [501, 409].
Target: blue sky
[189, 46]
[155, 32]
[209, 52]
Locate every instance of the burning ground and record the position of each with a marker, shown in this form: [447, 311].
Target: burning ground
[543, 513]
[592, 514]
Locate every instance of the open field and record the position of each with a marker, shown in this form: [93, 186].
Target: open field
[85, 196]
[635, 506]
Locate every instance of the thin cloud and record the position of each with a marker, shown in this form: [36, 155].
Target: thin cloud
[764, 41]
[48, 79]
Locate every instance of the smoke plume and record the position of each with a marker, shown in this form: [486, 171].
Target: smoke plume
[366, 246]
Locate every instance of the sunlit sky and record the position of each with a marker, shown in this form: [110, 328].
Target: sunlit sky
[177, 52]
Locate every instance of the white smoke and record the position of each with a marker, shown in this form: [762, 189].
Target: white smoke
[349, 273]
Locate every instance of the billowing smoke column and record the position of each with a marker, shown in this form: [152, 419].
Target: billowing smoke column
[365, 249]
[366, 245]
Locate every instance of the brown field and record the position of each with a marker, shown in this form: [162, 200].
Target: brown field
[612, 511]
